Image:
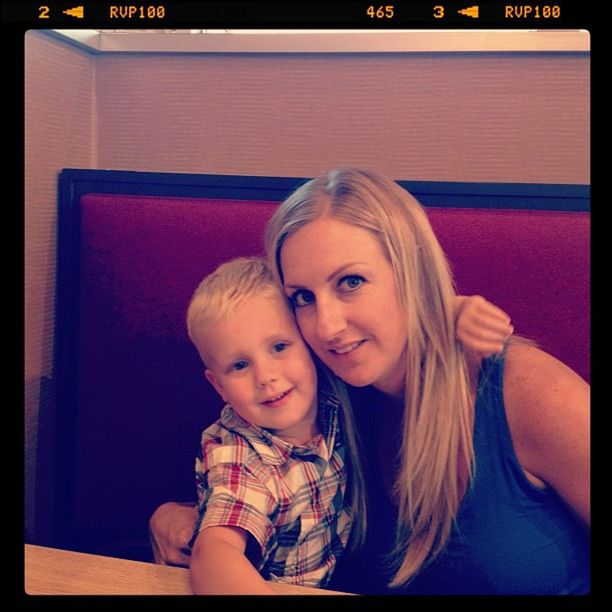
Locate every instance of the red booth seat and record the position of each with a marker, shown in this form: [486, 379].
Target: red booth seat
[142, 400]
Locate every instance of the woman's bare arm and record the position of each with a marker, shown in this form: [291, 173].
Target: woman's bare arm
[171, 528]
[548, 410]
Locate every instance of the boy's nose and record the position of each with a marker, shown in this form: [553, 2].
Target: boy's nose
[266, 374]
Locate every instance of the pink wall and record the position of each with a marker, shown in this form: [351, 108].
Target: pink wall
[422, 116]
[59, 113]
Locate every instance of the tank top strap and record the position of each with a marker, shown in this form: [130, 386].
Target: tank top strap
[497, 465]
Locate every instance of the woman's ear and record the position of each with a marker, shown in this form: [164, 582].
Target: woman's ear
[212, 379]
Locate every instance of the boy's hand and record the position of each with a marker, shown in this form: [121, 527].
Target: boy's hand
[482, 328]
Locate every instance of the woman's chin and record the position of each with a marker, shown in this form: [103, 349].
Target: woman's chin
[354, 379]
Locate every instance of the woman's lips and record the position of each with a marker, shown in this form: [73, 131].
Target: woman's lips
[347, 348]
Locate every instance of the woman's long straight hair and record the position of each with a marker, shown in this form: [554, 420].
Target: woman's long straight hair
[437, 456]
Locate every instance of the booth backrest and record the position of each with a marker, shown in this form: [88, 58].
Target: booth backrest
[142, 400]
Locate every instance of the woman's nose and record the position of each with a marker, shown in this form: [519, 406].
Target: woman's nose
[331, 319]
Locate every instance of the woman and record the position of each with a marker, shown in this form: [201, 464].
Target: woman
[476, 477]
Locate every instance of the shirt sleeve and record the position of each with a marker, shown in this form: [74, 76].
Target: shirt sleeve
[229, 494]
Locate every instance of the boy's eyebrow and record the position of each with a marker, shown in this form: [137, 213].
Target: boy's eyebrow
[276, 337]
[335, 273]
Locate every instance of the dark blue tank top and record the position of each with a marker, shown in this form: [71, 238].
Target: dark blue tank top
[510, 537]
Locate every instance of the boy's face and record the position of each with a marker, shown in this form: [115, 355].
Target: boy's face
[258, 363]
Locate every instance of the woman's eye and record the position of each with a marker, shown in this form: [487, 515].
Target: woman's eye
[301, 298]
[279, 347]
[239, 365]
[351, 282]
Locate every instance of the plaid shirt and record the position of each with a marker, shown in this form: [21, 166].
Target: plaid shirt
[291, 499]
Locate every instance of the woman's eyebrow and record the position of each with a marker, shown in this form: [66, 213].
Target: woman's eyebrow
[332, 275]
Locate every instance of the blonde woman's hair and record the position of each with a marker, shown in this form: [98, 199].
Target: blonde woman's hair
[217, 297]
[437, 447]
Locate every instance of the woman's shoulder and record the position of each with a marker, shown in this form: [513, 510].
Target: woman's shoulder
[534, 378]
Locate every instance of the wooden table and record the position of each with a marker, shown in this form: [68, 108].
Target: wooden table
[51, 571]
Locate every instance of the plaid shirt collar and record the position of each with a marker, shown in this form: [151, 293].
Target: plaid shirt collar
[273, 450]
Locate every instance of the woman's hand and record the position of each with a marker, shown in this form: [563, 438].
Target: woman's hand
[482, 328]
[171, 528]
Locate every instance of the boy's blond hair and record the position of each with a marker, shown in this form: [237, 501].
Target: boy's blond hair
[230, 285]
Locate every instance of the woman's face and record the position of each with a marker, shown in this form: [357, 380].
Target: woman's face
[346, 303]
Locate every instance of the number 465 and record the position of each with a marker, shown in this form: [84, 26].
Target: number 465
[382, 12]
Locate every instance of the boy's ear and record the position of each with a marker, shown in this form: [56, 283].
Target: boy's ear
[212, 379]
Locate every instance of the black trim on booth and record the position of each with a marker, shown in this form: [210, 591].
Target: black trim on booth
[430, 193]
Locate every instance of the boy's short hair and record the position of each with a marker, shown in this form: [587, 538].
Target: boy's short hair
[231, 284]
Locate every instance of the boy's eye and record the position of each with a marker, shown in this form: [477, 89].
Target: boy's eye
[351, 282]
[239, 365]
[301, 298]
[279, 347]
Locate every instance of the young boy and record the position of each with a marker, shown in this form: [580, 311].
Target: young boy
[272, 472]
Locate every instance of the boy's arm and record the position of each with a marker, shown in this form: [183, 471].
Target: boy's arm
[220, 567]
[481, 327]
